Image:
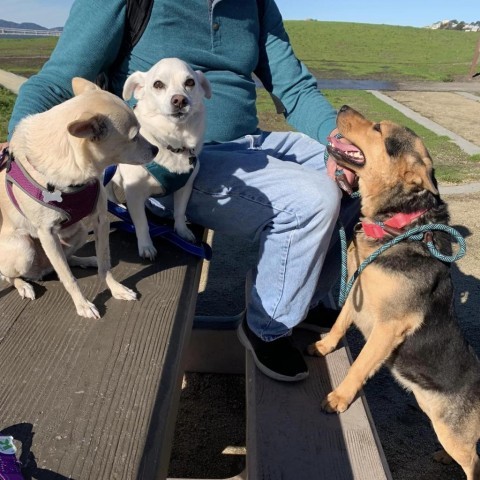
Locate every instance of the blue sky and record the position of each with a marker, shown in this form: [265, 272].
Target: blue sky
[416, 13]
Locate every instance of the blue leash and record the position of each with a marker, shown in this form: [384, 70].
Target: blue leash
[415, 233]
[202, 250]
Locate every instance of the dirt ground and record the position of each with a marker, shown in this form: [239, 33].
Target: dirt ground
[210, 434]
[451, 110]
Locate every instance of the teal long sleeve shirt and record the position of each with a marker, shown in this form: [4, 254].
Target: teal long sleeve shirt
[225, 39]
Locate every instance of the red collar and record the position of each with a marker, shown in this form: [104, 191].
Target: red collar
[392, 226]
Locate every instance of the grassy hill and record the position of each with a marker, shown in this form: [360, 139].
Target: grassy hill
[361, 51]
[330, 49]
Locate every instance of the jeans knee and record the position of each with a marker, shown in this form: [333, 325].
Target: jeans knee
[319, 202]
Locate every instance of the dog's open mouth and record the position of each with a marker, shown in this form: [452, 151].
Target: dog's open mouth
[179, 115]
[345, 152]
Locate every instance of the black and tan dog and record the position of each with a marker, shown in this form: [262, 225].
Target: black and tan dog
[403, 301]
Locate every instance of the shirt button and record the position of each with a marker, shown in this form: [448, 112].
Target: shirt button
[216, 26]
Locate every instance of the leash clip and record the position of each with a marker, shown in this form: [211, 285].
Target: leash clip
[428, 237]
[394, 232]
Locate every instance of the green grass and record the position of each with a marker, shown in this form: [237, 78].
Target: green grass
[361, 51]
[25, 56]
[333, 50]
[7, 99]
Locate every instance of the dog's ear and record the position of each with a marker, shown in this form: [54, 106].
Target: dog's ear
[134, 85]
[423, 177]
[81, 85]
[429, 181]
[89, 126]
[204, 83]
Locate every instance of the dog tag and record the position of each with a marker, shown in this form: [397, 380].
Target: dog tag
[55, 196]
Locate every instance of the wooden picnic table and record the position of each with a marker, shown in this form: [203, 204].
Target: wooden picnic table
[97, 399]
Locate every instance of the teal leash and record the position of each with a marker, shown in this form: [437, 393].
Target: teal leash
[343, 292]
[415, 234]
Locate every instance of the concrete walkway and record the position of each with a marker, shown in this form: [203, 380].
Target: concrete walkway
[10, 81]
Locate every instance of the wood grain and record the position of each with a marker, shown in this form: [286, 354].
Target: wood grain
[97, 399]
[289, 437]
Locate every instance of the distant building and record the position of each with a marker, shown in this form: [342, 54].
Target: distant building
[455, 25]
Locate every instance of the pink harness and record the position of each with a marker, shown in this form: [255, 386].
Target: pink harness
[73, 206]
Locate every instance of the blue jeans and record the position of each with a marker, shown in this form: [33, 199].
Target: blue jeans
[273, 188]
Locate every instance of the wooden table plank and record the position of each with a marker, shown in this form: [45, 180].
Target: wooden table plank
[98, 398]
[288, 436]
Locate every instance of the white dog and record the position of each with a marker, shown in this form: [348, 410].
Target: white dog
[50, 184]
[172, 116]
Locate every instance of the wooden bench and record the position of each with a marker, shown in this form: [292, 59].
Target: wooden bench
[288, 436]
[97, 399]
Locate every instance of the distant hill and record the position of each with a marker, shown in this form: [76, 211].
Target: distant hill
[456, 25]
[26, 26]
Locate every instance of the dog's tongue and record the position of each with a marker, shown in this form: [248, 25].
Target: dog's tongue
[347, 148]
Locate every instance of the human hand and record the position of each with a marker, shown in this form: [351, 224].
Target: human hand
[345, 178]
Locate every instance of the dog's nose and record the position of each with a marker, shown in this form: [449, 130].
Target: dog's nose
[154, 150]
[344, 108]
[179, 101]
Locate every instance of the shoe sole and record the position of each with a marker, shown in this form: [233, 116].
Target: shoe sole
[266, 371]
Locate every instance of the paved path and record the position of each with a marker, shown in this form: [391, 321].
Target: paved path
[11, 81]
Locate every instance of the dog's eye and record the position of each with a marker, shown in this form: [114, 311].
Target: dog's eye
[190, 82]
[377, 128]
[158, 84]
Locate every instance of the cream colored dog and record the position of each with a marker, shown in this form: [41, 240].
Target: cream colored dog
[172, 116]
[55, 155]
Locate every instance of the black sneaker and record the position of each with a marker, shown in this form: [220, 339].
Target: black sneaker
[320, 316]
[278, 359]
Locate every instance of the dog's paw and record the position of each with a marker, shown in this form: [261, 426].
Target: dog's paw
[88, 310]
[121, 292]
[320, 349]
[335, 403]
[26, 290]
[147, 251]
[441, 456]
[185, 233]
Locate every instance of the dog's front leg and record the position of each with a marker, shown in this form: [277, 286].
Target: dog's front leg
[384, 338]
[53, 249]
[180, 202]
[101, 231]
[136, 207]
[330, 341]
